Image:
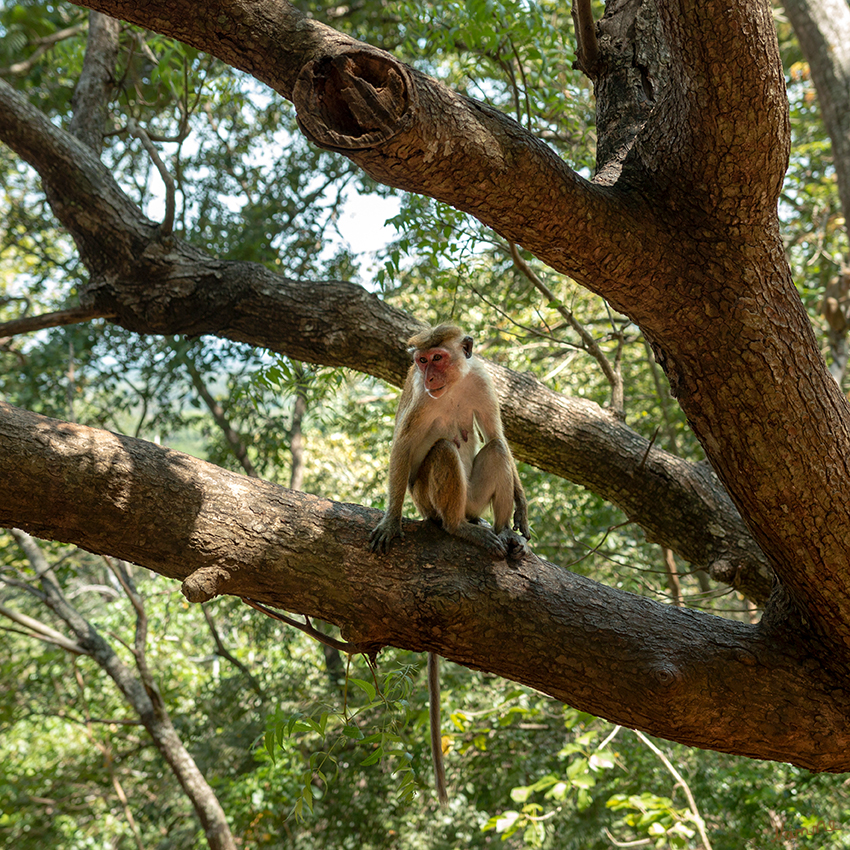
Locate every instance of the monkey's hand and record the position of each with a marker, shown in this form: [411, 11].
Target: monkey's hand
[384, 533]
[520, 510]
[521, 521]
[517, 546]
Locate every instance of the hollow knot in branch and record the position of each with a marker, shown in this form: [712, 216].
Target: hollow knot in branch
[355, 100]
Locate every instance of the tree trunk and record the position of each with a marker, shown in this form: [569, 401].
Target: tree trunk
[678, 230]
[673, 672]
[146, 701]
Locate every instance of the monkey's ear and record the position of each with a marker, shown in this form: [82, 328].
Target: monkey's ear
[412, 352]
[466, 345]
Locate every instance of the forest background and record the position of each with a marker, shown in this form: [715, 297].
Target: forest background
[294, 742]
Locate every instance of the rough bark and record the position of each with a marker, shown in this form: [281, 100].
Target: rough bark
[673, 672]
[96, 81]
[164, 286]
[679, 231]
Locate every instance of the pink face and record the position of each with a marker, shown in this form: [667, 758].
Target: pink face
[434, 364]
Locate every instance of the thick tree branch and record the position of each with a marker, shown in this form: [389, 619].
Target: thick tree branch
[169, 287]
[672, 672]
[713, 292]
[91, 95]
[728, 97]
[411, 132]
[78, 186]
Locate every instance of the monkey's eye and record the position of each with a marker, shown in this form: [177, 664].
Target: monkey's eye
[423, 359]
[437, 357]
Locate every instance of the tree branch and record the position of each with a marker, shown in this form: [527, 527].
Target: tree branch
[680, 781]
[403, 129]
[172, 288]
[223, 652]
[97, 79]
[672, 672]
[585, 30]
[234, 440]
[42, 46]
[37, 629]
[143, 697]
[30, 324]
[137, 132]
[716, 261]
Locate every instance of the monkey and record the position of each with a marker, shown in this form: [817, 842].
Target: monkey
[448, 398]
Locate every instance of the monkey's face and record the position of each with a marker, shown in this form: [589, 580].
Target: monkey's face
[437, 370]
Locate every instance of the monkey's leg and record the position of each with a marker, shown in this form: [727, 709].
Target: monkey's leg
[491, 483]
[440, 493]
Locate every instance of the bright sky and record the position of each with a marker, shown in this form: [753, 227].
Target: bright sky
[362, 227]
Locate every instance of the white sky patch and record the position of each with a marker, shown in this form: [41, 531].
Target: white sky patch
[362, 224]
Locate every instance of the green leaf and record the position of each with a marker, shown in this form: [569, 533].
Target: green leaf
[367, 687]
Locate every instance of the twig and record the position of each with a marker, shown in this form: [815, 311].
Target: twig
[642, 463]
[167, 225]
[35, 628]
[641, 842]
[524, 83]
[700, 825]
[222, 651]
[119, 570]
[234, 440]
[52, 320]
[612, 373]
[663, 394]
[44, 44]
[672, 577]
[306, 627]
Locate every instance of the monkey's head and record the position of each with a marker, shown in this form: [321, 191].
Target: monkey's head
[440, 354]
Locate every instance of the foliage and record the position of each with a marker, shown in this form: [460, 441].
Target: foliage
[303, 748]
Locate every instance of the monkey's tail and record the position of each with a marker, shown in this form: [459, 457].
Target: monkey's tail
[436, 735]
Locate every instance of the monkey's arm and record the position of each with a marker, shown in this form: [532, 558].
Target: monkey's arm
[390, 526]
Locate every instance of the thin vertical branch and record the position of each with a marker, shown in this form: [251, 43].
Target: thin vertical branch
[222, 651]
[296, 432]
[587, 47]
[71, 384]
[612, 372]
[119, 570]
[672, 576]
[167, 225]
[236, 443]
[109, 762]
[692, 803]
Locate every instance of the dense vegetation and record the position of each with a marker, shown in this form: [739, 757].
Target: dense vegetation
[302, 745]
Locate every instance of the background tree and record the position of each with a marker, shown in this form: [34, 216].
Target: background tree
[678, 230]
